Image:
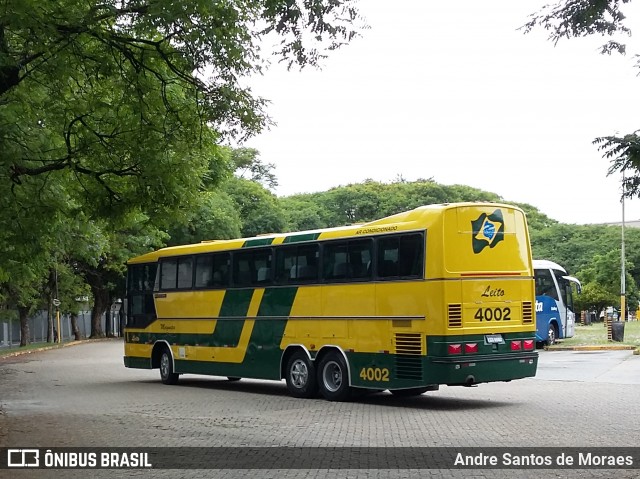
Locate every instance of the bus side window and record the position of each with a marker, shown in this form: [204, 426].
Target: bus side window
[185, 272]
[286, 270]
[168, 273]
[252, 267]
[335, 261]
[388, 252]
[360, 254]
[204, 271]
[411, 255]
[307, 272]
[220, 277]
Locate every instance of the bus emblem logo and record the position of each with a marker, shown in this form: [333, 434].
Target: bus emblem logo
[488, 230]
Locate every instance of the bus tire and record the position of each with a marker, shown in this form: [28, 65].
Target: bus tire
[404, 393]
[301, 376]
[167, 375]
[333, 377]
[552, 336]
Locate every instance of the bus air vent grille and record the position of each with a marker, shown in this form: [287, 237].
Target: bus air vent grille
[527, 312]
[455, 315]
[409, 351]
[408, 343]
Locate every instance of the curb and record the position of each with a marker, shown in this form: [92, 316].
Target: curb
[53, 346]
[603, 347]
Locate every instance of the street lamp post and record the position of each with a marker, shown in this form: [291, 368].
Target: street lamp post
[623, 303]
[616, 328]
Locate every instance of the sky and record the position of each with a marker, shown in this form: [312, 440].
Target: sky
[453, 91]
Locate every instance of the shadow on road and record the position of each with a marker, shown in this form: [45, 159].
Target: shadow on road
[433, 401]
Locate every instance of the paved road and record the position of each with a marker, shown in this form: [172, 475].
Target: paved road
[83, 396]
[610, 367]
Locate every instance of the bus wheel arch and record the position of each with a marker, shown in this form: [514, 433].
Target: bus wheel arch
[334, 375]
[299, 371]
[162, 358]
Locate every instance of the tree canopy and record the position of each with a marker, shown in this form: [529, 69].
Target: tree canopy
[113, 112]
[122, 101]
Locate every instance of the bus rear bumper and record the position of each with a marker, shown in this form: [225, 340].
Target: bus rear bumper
[468, 371]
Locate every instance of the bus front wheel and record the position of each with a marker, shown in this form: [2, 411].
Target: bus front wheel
[166, 369]
[301, 376]
[333, 377]
[553, 335]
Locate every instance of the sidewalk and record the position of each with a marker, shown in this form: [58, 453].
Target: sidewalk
[11, 352]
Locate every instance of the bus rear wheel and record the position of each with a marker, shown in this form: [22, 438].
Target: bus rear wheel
[166, 368]
[333, 377]
[301, 376]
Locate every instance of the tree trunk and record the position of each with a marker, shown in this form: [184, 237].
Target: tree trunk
[24, 325]
[51, 337]
[51, 326]
[100, 305]
[74, 327]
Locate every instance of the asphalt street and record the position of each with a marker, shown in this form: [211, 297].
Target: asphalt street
[82, 396]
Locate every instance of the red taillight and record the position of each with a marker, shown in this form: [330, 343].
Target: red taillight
[516, 345]
[529, 344]
[455, 349]
[470, 348]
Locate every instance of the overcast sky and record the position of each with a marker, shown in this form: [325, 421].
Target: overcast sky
[453, 91]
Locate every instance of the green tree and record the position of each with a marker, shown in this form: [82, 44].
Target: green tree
[126, 97]
[248, 165]
[215, 217]
[303, 212]
[114, 109]
[596, 297]
[603, 277]
[73, 293]
[258, 208]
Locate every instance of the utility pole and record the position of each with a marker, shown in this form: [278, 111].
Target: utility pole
[623, 285]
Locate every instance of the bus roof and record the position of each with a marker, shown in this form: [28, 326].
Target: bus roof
[546, 264]
[416, 219]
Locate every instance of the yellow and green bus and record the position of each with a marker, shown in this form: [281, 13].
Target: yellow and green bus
[439, 295]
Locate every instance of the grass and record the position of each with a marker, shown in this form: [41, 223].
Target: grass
[596, 334]
[29, 347]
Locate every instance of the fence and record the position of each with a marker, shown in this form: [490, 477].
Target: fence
[10, 330]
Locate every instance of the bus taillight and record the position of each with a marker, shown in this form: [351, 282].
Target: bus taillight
[516, 345]
[455, 349]
[470, 348]
[529, 344]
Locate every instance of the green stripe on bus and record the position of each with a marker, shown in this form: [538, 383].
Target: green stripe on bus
[227, 331]
[262, 359]
[263, 352]
[302, 237]
[257, 242]
[277, 301]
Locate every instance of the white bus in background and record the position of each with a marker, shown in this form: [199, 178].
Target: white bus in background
[555, 315]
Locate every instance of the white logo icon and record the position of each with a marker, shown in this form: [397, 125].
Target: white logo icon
[23, 458]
